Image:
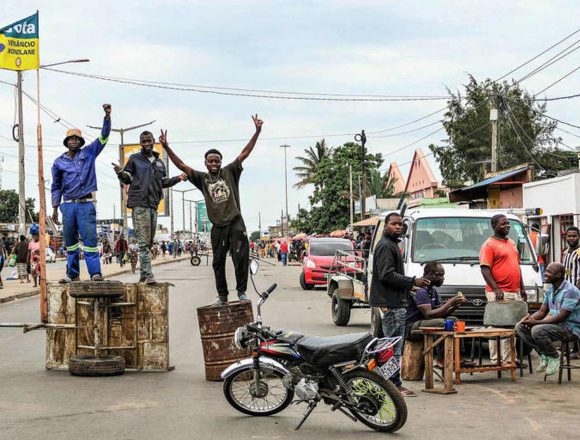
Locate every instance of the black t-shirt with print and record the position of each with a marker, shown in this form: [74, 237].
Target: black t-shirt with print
[221, 192]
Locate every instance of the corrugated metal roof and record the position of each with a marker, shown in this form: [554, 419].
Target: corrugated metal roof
[494, 179]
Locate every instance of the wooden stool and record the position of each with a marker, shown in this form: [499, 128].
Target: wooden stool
[565, 354]
[413, 362]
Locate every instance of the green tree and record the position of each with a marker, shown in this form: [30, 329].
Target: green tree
[9, 207]
[380, 185]
[330, 199]
[310, 162]
[525, 135]
[255, 236]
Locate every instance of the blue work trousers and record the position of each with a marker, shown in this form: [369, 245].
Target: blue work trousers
[80, 219]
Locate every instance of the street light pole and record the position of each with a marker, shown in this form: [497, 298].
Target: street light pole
[182, 204]
[41, 187]
[362, 138]
[285, 180]
[21, 173]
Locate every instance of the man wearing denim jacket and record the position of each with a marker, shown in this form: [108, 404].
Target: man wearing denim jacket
[389, 288]
[74, 182]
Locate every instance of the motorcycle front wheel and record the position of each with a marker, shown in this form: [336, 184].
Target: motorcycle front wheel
[265, 398]
[382, 407]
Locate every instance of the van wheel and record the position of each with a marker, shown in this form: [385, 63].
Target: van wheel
[303, 283]
[376, 323]
[340, 310]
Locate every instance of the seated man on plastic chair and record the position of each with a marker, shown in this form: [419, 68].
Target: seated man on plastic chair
[424, 308]
[557, 320]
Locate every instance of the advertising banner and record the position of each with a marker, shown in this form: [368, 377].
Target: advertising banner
[19, 45]
[203, 223]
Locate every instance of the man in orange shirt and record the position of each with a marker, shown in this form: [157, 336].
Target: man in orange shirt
[500, 266]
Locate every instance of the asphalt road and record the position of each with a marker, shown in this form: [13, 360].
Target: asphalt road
[40, 404]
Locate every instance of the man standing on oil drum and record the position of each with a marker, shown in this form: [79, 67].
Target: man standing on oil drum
[146, 176]
[220, 189]
[74, 182]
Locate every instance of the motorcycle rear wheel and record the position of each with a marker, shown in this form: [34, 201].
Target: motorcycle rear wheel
[392, 413]
[241, 392]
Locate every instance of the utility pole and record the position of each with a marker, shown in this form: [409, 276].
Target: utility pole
[122, 131]
[350, 201]
[286, 177]
[282, 222]
[21, 175]
[362, 138]
[182, 205]
[493, 116]
[260, 223]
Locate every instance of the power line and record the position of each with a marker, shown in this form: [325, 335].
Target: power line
[559, 56]
[277, 92]
[408, 131]
[558, 98]
[250, 95]
[557, 81]
[413, 143]
[539, 55]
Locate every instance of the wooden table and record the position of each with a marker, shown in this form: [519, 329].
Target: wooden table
[452, 355]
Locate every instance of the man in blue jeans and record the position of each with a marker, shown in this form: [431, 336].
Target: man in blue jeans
[74, 180]
[389, 288]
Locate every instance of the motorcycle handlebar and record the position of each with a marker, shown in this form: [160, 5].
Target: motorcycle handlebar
[270, 289]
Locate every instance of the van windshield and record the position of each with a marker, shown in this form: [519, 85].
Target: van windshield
[328, 248]
[447, 238]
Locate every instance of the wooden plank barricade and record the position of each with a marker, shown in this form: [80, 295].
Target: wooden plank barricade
[134, 326]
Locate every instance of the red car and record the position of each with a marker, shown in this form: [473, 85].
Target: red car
[318, 260]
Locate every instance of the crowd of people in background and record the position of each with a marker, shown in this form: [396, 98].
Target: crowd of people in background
[286, 250]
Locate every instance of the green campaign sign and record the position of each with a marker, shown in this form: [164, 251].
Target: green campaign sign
[203, 223]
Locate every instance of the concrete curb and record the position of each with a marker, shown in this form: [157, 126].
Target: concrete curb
[30, 293]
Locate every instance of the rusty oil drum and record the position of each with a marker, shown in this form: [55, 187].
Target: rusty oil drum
[217, 325]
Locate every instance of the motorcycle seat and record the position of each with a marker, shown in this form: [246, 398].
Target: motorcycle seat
[324, 351]
[289, 336]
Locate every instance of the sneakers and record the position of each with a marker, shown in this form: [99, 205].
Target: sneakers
[543, 364]
[242, 297]
[97, 277]
[221, 301]
[150, 280]
[553, 365]
[68, 280]
[406, 392]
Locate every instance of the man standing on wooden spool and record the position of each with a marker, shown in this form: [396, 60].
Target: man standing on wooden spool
[220, 189]
[74, 182]
[146, 176]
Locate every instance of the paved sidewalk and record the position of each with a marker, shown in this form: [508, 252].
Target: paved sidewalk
[14, 290]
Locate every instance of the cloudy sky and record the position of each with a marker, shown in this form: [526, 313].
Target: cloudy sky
[332, 47]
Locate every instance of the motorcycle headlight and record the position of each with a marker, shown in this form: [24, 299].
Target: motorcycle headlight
[240, 338]
[310, 264]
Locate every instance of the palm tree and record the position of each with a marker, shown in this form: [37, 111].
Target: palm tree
[307, 171]
[381, 186]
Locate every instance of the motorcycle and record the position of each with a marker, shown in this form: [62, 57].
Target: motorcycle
[347, 372]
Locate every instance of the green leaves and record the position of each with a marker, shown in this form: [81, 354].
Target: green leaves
[525, 135]
[330, 177]
[9, 207]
